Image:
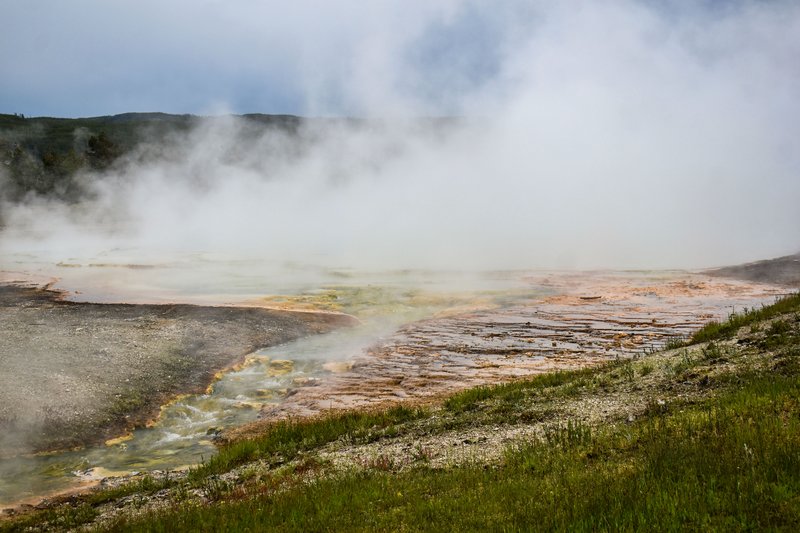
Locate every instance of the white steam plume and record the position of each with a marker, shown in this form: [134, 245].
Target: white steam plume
[605, 134]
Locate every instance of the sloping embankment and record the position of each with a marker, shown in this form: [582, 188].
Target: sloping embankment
[781, 270]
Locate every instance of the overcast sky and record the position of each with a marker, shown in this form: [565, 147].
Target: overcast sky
[348, 57]
[92, 57]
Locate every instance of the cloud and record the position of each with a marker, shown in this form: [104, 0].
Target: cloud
[93, 57]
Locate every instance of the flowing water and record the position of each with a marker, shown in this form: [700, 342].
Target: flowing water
[183, 434]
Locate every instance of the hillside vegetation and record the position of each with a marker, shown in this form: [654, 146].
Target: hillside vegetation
[784, 270]
[702, 436]
[45, 156]
[59, 158]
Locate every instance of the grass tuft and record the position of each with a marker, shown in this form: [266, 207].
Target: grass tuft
[725, 330]
[286, 439]
[476, 398]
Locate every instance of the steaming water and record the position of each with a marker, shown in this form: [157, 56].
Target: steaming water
[183, 434]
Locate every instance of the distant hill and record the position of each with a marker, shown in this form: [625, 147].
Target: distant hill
[58, 135]
[782, 270]
[42, 155]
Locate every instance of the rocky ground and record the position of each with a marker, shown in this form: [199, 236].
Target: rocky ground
[591, 319]
[79, 373]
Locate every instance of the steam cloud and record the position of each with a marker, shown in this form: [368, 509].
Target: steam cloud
[594, 134]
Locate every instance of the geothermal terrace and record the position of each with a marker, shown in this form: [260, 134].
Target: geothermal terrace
[590, 319]
[79, 374]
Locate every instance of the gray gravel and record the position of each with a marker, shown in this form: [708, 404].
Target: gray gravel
[78, 373]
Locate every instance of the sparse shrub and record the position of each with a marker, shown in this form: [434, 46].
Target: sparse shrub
[779, 327]
[75, 516]
[422, 454]
[684, 364]
[382, 462]
[468, 399]
[180, 493]
[627, 371]
[603, 381]
[779, 334]
[215, 488]
[655, 408]
[574, 433]
[711, 351]
[674, 343]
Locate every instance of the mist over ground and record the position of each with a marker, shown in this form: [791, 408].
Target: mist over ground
[612, 134]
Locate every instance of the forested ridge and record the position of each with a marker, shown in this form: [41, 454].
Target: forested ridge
[46, 156]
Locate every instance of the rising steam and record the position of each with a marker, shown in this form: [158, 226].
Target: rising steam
[601, 134]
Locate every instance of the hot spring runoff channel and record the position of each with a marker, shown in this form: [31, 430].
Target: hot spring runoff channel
[184, 432]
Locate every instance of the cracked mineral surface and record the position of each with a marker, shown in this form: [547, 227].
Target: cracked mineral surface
[589, 319]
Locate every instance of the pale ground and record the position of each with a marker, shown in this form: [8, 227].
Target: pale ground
[594, 317]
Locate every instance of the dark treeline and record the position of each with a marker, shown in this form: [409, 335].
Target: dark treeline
[48, 157]
[56, 158]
